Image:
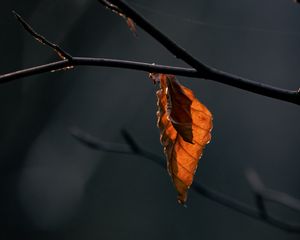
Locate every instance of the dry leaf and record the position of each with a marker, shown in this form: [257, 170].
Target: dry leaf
[185, 126]
[130, 23]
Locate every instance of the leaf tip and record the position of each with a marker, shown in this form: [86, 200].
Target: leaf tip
[181, 202]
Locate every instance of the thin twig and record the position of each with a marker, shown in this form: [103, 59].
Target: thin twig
[103, 62]
[202, 71]
[41, 39]
[115, 63]
[205, 71]
[119, 12]
[159, 36]
[256, 87]
[133, 147]
[112, 7]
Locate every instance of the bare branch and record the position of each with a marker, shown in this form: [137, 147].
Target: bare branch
[214, 75]
[159, 36]
[133, 147]
[119, 12]
[199, 70]
[41, 39]
[103, 62]
[112, 7]
[205, 71]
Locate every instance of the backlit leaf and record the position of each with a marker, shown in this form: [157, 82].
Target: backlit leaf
[185, 125]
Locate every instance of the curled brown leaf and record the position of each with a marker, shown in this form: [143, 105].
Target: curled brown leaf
[185, 125]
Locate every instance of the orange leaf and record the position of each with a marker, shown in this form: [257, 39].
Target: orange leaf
[185, 126]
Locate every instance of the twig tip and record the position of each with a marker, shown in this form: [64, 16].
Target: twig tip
[15, 13]
[17, 16]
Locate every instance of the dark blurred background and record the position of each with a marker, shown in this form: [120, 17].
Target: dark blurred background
[52, 187]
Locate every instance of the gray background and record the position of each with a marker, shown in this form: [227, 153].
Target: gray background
[54, 188]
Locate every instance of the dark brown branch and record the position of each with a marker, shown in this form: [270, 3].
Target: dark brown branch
[112, 7]
[41, 39]
[285, 95]
[103, 62]
[200, 71]
[205, 71]
[170, 45]
[133, 147]
[256, 87]
[69, 61]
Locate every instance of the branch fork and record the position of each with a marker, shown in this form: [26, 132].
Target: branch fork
[198, 70]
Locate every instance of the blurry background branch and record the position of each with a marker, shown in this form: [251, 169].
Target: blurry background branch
[260, 192]
[200, 70]
[53, 187]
